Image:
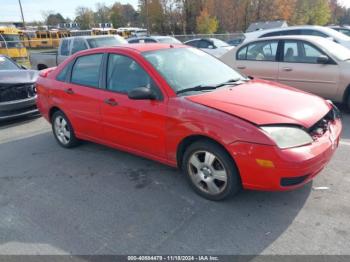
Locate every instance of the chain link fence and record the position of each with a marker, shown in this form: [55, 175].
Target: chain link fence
[224, 37]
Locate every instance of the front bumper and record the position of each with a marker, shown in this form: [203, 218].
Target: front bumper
[17, 108]
[291, 167]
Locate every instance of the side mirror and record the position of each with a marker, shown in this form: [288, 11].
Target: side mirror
[141, 93]
[211, 47]
[322, 59]
[23, 67]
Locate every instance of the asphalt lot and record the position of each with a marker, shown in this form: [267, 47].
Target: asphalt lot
[97, 200]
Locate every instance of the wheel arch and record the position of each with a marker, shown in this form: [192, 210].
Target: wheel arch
[53, 110]
[189, 140]
[346, 95]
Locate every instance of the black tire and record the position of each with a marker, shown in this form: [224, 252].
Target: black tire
[72, 141]
[205, 178]
[347, 102]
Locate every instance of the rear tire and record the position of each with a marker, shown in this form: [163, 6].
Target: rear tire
[63, 130]
[211, 171]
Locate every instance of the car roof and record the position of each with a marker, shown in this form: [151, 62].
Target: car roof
[90, 36]
[142, 47]
[286, 29]
[311, 38]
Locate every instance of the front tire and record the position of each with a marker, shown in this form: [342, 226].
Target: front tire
[63, 130]
[211, 171]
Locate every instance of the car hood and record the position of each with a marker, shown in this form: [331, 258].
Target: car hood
[264, 103]
[18, 76]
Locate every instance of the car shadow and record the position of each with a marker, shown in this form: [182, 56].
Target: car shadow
[96, 200]
[18, 121]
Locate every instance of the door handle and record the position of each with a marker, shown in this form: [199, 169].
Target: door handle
[111, 102]
[69, 91]
[241, 67]
[288, 69]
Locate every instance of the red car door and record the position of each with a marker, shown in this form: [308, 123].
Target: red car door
[137, 125]
[82, 96]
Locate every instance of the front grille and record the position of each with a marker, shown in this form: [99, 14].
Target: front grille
[17, 92]
[321, 127]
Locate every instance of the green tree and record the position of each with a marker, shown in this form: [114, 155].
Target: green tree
[206, 24]
[84, 17]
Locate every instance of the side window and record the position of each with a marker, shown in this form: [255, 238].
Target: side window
[65, 47]
[86, 70]
[63, 75]
[193, 43]
[271, 34]
[291, 32]
[149, 40]
[78, 45]
[204, 44]
[262, 51]
[313, 32]
[125, 74]
[311, 54]
[242, 53]
[291, 52]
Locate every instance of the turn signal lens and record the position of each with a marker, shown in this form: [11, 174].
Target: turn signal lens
[265, 163]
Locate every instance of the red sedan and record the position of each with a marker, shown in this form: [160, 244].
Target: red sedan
[184, 108]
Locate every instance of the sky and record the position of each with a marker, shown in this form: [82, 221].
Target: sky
[33, 9]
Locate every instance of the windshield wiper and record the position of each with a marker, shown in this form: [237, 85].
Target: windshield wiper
[230, 82]
[196, 88]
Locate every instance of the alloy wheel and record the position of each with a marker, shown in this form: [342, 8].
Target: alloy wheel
[207, 172]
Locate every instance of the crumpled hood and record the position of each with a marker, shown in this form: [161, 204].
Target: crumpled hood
[18, 76]
[263, 102]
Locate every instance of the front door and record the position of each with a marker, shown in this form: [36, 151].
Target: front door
[300, 68]
[138, 125]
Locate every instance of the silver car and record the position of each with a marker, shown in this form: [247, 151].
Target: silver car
[310, 63]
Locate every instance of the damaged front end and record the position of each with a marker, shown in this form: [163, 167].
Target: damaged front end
[17, 98]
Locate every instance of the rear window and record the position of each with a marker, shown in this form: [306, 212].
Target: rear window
[86, 70]
[106, 41]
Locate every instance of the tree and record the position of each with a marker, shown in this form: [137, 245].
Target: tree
[52, 19]
[152, 15]
[102, 13]
[84, 17]
[206, 24]
[123, 15]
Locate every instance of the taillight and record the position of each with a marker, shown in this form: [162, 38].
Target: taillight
[46, 72]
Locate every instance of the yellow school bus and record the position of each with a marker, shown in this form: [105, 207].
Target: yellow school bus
[103, 31]
[43, 38]
[12, 46]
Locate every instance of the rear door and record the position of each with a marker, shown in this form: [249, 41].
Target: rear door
[259, 59]
[82, 96]
[299, 68]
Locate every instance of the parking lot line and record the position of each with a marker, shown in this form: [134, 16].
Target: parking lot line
[345, 143]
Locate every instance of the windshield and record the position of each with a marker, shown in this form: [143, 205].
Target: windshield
[185, 68]
[338, 51]
[106, 41]
[10, 41]
[168, 40]
[219, 43]
[7, 64]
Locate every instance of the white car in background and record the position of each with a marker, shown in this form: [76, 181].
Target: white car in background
[310, 63]
[321, 31]
[213, 46]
